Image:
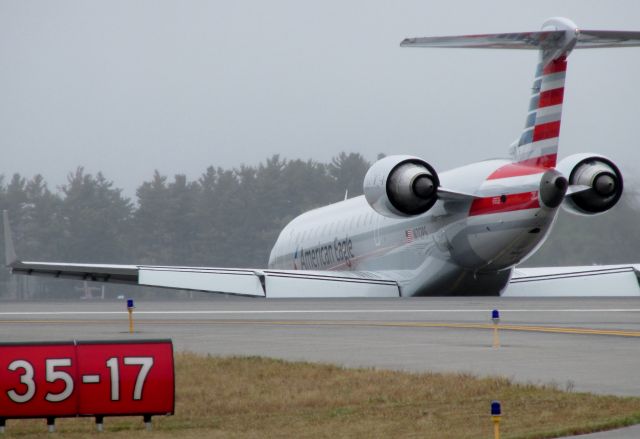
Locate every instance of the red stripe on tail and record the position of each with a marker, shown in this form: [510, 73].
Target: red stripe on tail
[556, 66]
[551, 97]
[546, 131]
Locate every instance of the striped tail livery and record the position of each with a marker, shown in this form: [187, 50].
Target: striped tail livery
[538, 143]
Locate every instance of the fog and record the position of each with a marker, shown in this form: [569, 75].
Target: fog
[129, 87]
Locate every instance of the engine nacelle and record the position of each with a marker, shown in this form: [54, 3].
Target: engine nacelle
[401, 185]
[600, 174]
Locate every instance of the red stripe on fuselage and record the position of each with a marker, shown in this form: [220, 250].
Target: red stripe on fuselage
[514, 170]
[531, 166]
[504, 203]
[551, 97]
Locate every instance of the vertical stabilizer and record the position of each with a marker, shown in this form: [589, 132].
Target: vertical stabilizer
[538, 143]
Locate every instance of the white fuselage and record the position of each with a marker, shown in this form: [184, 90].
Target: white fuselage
[465, 246]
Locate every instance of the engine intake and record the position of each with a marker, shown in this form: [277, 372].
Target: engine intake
[401, 186]
[602, 177]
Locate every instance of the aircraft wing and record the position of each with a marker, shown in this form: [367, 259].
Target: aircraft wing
[236, 281]
[594, 281]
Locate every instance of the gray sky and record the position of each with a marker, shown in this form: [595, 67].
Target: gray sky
[126, 87]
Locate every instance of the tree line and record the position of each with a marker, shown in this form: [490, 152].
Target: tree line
[226, 217]
[230, 218]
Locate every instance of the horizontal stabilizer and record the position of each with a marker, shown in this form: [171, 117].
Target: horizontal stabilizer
[519, 40]
[595, 39]
[586, 39]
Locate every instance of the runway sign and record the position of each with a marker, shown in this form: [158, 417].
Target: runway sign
[86, 378]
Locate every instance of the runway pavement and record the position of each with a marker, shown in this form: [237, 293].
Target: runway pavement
[593, 343]
[580, 344]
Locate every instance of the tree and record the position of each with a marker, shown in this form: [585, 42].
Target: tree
[96, 217]
[43, 221]
[348, 171]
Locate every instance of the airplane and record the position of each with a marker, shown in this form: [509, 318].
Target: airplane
[417, 232]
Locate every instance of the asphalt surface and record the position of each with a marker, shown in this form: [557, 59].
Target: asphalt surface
[580, 344]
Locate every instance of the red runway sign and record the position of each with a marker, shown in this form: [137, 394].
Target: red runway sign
[86, 378]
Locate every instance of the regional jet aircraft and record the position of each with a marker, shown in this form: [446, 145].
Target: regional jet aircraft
[417, 232]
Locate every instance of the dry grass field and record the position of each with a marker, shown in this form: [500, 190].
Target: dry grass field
[264, 398]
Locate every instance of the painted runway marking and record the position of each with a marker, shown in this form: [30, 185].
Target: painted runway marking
[314, 311]
[482, 326]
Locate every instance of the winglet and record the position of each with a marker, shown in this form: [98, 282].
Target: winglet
[9, 249]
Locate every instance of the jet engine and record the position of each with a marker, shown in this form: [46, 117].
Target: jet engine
[595, 183]
[401, 185]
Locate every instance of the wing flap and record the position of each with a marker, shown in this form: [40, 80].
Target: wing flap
[292, 284]
[270, 283]
[241, 282]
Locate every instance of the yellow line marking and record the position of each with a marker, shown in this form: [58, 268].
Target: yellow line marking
[363, 323]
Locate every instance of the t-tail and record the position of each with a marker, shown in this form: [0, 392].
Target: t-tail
[537, 146]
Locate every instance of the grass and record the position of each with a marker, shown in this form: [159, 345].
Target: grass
[254, 397]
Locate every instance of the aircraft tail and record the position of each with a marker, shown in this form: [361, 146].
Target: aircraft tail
[538, 143]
